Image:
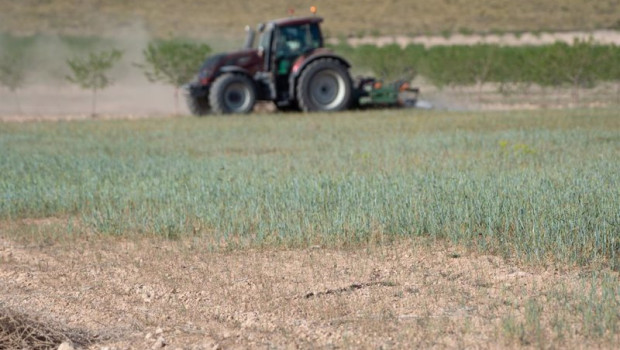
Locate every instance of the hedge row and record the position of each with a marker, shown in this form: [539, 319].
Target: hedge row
[582, 64]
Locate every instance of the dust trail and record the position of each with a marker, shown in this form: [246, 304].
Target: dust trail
[48, 93]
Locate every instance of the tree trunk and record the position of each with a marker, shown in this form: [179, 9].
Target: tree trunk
[17, 102]
[576, 93]
[176, 101]
[94, 104]
[542, 100]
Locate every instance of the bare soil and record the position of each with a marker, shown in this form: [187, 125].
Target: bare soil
[606, 37]
[143, 100]
[142, 293]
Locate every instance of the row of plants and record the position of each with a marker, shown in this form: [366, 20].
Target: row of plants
[90, 62]
[533, 185]
[581, 64]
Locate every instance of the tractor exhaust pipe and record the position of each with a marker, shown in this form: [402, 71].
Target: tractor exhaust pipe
[250, 34]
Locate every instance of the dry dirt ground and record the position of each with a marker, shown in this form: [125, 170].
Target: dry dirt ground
[607, 37]
[148, 293]
[144, 100]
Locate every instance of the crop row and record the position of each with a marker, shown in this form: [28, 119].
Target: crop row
[581, 64]
[535, 186]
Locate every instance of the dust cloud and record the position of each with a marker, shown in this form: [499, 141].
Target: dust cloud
[47, 92]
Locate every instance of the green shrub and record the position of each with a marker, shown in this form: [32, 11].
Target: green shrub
[174, 62]
[92, 72]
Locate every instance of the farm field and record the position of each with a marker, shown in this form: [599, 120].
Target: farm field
[492, 221]
[361, 229]
[346, 18]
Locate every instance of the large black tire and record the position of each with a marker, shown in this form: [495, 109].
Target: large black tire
[325, 85]
[198, 106]
[232, 93]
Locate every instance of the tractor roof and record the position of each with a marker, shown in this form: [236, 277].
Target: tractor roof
[294, 21]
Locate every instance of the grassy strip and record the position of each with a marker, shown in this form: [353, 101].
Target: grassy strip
[535, 185]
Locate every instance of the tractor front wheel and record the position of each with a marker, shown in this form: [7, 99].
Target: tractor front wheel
[325, 85]
[232, 93]
[198, 106]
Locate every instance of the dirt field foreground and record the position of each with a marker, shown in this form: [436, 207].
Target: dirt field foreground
[148, 293]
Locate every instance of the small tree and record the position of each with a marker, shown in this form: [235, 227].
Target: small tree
[576, 65]
[173, 62]
[13, 75]
[92, 72]
[481, 65]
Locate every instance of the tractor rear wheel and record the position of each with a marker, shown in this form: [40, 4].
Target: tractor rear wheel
[325, 85]
[232, 93]
[198, 106]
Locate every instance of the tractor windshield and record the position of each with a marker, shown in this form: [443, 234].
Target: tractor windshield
[294, 41]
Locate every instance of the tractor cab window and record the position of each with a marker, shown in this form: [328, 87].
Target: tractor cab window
[265, 40]
[293, 41]
[264, 46]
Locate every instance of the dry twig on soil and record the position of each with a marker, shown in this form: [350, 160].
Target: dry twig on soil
[21, 331]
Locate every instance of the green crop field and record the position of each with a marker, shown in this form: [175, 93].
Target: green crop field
[346, 17]
[535, 186]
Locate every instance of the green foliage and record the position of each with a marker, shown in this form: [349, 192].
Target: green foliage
[14, 65]
[45, 55]
[12, 72]
[13, 45]
[577, 65]
[531, 186]
[386, 62]
[173, 62]
[15, 58]
[581, 64]
[92, 72]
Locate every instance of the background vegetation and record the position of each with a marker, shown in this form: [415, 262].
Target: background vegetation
[536, 185]
[92, 72]
[582, 64]
[174, 62]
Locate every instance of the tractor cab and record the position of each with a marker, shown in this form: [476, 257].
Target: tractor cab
[283, 43]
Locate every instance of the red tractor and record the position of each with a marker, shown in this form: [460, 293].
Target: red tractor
[290, 67]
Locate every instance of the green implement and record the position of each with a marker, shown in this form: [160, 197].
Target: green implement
[372, 92]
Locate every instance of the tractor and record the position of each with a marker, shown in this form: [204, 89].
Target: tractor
[291, 67]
